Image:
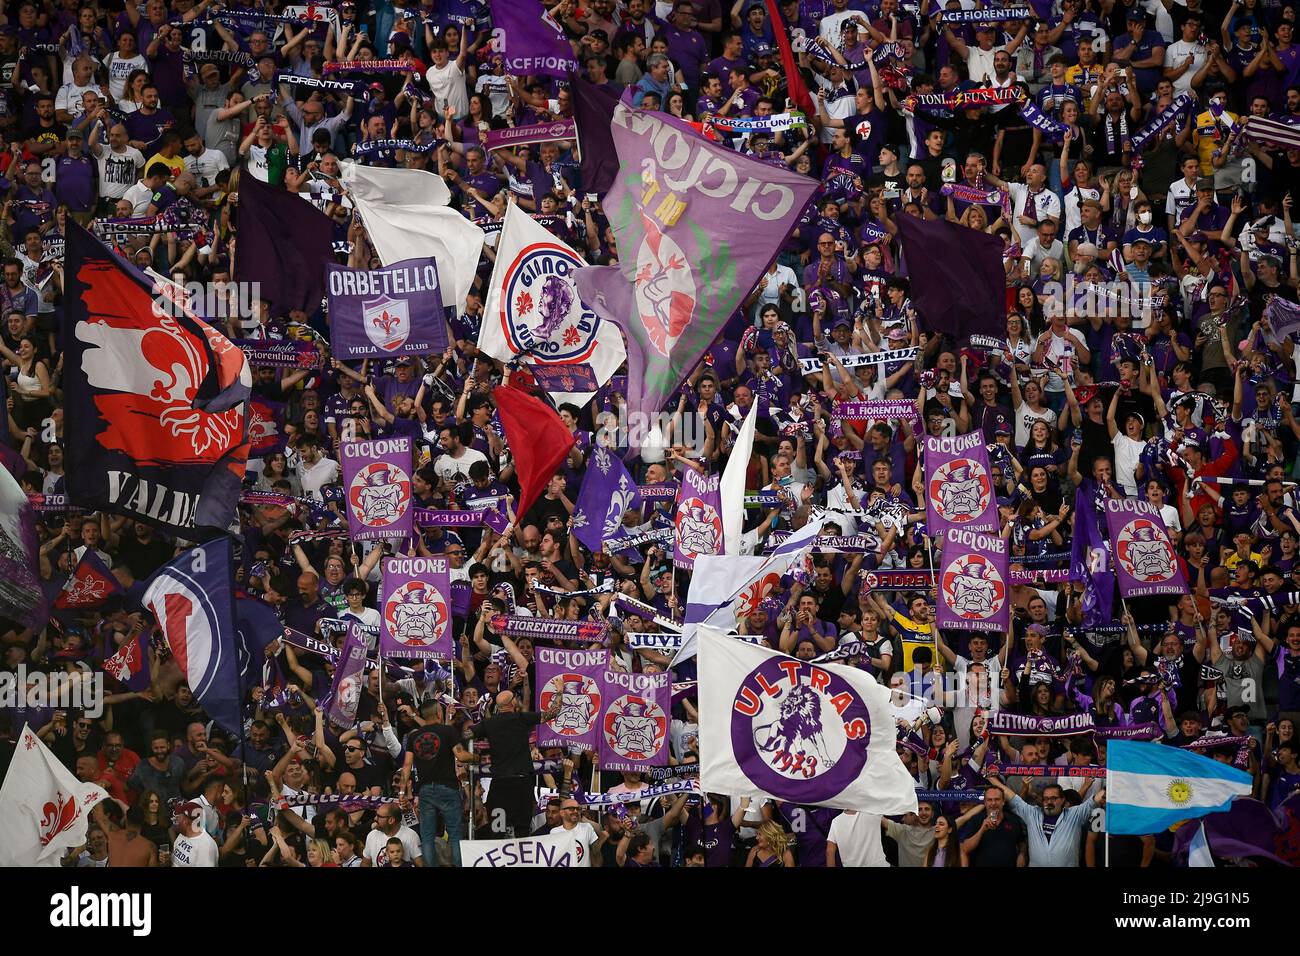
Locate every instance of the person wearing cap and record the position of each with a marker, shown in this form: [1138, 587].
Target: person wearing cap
[1142, 50]
[1138, 268]
[193, 845]
[74, 180]
[1205, 215]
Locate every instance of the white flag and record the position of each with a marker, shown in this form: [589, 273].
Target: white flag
[733, 484]
[406, 215]
[774, 726]
[532, 309]
[44, 809]
[559, 848]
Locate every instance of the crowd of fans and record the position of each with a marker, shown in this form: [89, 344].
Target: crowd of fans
[1170, 375]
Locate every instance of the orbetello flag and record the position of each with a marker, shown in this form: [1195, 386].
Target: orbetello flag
[957, 275]
[156, 399]
[380, 313]
[538, 441]
[974, 582]
[560, 848]
[532, 43]
[533, 312]
[814, 734]
[959, 484]
[406, 216]
[22, 598]
[284, 244]
[696, 225]
[1145, 562]
[733, 483]
[192, 599]
[44, 809]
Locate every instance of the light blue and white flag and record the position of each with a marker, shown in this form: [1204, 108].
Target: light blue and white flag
[1150, 787]
[1198, 851]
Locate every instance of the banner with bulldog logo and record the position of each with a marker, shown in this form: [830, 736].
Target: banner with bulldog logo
[377, 485]
[381, 313]
[959, 484]
[1144, 558]
[634, 723]
[416, 609]
[974, 582]
[577, 677]
[698, 528]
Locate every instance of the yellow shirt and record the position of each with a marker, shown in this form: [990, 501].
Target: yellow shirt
[1084, 77]
[1235, 559]
[915, 635]
[175, 164]
[1209, 135]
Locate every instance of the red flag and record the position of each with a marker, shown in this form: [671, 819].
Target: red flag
[793, 78]
[537, 438]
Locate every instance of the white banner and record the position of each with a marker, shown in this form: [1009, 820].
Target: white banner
[44, 809]
[561, 848]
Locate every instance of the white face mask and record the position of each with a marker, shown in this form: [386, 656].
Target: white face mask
[1144, 218]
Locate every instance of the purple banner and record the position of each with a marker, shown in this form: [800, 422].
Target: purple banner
[416, 609]
[634, 723]
[587, 632]
[1023, 725]
[973, 582]
[379, 313]
[349, 678]
[897, 580]
[882, 408]
[958, 484]
[566, 377]
[377, 480]
[698, 528]
[286, 354]
[529, 135]
[532, 42]
[576, 676]
[1145, 562]
[1130, 732]
[435, 518]
[662, 492]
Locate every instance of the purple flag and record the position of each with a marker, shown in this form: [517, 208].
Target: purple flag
[416, 609]
[266, 434]
[461, 599]
[21, 597]
[1089, 556]
[593, 106]
[608, 492]
[958, 280]
[283, 242]
[698, 528]
[377, 313]
[349, 678]
[697, 225]
[973, 576]
[1249, 829]
[634, 723]
[529, 135]
[958, 484]
[577, 676]
[533, 43]
[377, 481]
[1145, 562]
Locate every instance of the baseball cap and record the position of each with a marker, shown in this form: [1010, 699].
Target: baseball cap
[401, 41]
[1137, 15]
[1194, 438]
[1003, 429]
[601, 34]
[75, 134]
[1205, 182]
[1140, 239]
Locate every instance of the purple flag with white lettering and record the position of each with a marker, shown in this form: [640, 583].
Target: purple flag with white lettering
[1090, 561]
[1145, 562]
[377, 484]
[634, 723]
[608, 492]
[379, 313]
[416, 609]
[532, 42]
[974, 583]
[349, 678]
[577, 677]
[959, 484]
[697, 225]
[698, 528]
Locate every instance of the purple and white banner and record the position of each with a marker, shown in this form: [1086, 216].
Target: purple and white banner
[879, 409]
[377, 483]
[584, 632]
[1130, 732]
[416, 609]
[959, 484]
[634, 722]
[897, 580]
[1004, 723]
[529, 135]
[974, 593]
[349, 679]
[287, 354]
[531, 41]
[1145, 562]
[438, 518]
[577, 677]
[698, 528]
[379, 313]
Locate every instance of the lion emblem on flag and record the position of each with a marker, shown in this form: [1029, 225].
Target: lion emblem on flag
[1144, 551]
[960, 490]
[665, 288]
[973, 588]
[798, 727]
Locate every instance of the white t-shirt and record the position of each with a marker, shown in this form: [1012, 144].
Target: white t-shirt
[1058, 347]
[207, 165]
[457, 469]
[1179, 197]
[367, 615]
[586, 833]
[314, 477]
[139, 196]
[1176, 54]
[377, 843]
[497, 89]
[1047, 205]
[119, 68]
[69, 97]
[1025, 419]
[857, 837]
[200, 850]
[119, 172]
[1127, 453]
[448, 86]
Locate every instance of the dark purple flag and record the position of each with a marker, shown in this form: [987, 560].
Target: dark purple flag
[1250, 830]
[577, 676]
[533, 43]
[1145, 563]
[21, 597]
[698, 528]
[130, 664]
[378, 313]
[416, 609]
[634, 723]
[461, 599]
[1090, 561]
[377, 482]
[349, 678]
[265, 427]
[593, 108]
[973, 582]
[959, 484]
[284, 244]
[608, 492]
[957, 276]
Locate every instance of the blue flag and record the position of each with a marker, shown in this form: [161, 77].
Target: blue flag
[193, 601]
[1150, 787]
[256, 626]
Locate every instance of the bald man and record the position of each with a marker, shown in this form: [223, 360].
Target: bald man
[510, 801]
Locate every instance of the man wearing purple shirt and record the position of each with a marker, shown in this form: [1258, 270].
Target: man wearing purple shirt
[1205, 215]
[732, 58]
[146, 124]
[74, 182]
[743, 96]
[686, 45]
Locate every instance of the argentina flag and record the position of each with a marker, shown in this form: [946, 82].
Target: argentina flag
[1150, 787]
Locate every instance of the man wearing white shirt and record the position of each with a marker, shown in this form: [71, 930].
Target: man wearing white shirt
[315, 471]
[1185, 59]
[1182, 192]
[1031, 202]
[446, 77]
[854, 840]
[68, 103]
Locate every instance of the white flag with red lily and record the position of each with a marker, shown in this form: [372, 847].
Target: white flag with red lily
[44, 809]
